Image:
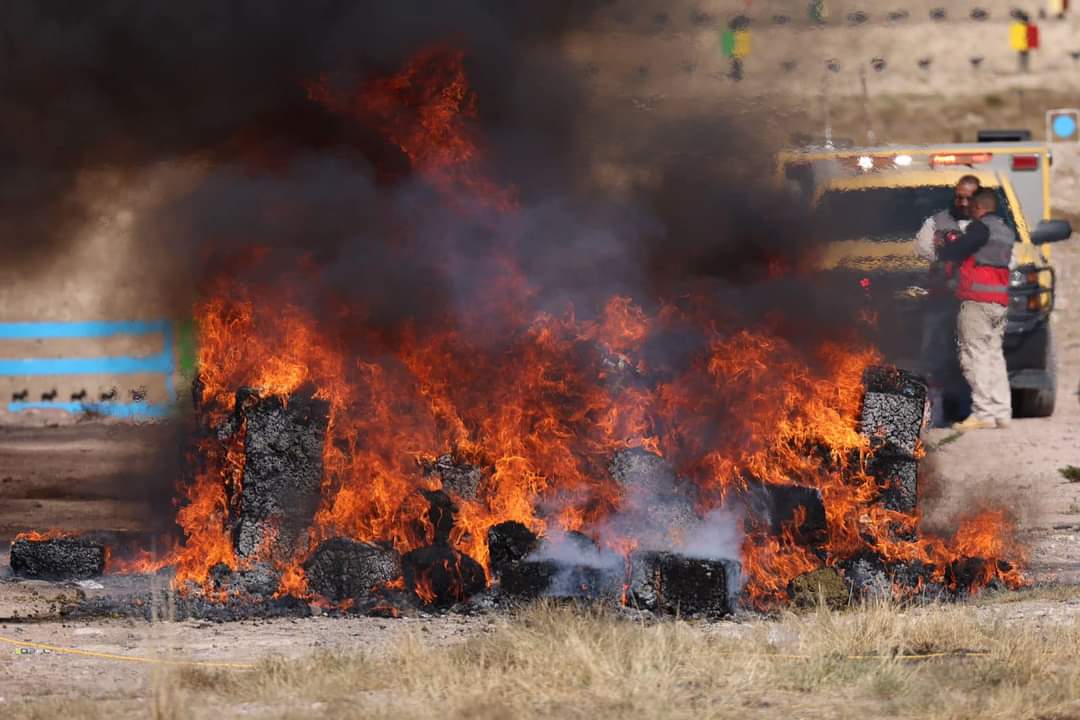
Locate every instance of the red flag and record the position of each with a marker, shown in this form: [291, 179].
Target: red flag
[1033, 36]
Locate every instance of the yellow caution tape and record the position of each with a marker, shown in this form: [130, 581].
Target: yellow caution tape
[124, 658]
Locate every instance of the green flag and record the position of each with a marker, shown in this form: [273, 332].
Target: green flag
[736, 43]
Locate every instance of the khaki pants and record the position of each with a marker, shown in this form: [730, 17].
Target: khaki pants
[980, 332]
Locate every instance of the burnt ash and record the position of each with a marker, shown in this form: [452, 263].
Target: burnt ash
[152, 606]
[57, 559]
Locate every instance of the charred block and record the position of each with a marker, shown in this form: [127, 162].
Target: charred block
[567, 567]
[441, 576]
[914, 578]
[260, 580]
[898, 479]
[440, 516]
[57, 559]
[342, 569]
[867, 577]
[870, 577]
[283, 469]
[588, 582]
[671, 583]
[893, 412]
[459, 478]
[637, 468]
[531, 579]
[509, 542]
[894, 381]
[657, 507]
[794, 507]
[527, 579]
[967, 574]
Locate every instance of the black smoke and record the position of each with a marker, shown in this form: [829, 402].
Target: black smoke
[123, 84]
[127, 85]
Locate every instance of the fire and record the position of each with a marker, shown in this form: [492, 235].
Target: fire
[36, 536]
[540, 408]
[293, 582]
[423, 588]
[426, 110]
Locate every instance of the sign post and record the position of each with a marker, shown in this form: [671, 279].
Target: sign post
[1023, 38]
[735, 43]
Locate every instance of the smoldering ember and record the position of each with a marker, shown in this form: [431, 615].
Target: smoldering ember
[649, 455]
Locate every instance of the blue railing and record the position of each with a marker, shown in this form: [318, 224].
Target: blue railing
[161, 363]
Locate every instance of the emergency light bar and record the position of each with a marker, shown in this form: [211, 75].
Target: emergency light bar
[961, 159]
[866, 163]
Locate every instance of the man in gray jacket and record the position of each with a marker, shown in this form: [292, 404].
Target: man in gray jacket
[939, 322]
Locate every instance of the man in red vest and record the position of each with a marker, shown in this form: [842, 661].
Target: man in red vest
[983, 254]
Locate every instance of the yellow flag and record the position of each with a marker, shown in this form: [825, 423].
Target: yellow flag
[742, 44]
[1018, 37]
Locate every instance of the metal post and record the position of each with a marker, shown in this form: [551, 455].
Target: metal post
[871, 138]
[825, 108]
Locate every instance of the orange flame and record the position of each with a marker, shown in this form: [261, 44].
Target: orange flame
[36, 536]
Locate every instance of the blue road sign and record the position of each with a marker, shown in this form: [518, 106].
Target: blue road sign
[1064, 126]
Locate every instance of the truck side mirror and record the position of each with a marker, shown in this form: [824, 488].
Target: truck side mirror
[1049, 231]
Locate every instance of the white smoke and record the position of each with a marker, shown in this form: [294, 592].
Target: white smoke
[656, 514]
[719, 536]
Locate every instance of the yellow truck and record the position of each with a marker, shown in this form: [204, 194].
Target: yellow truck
[873, 201]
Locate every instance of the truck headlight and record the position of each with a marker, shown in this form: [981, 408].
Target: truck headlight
[1019, 278]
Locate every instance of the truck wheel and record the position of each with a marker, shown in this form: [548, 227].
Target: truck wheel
[1040, 403]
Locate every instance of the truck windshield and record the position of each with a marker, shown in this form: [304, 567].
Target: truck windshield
[886, 214]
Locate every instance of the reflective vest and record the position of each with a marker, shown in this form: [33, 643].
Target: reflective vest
[984, 276]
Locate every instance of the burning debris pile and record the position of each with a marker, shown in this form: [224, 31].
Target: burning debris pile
[667, 455]
[654, 550]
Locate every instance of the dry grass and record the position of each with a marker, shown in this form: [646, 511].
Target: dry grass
[1047, 592]
[564, 663]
